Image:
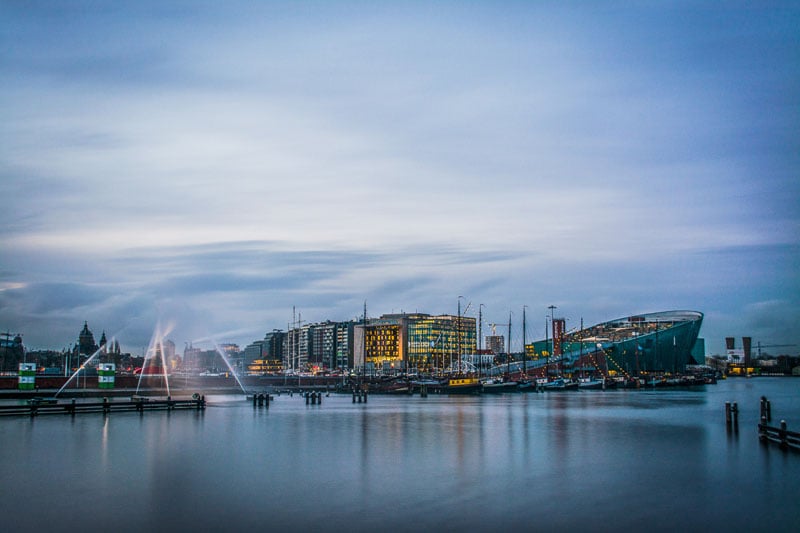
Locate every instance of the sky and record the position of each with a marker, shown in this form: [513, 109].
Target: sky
[206, 167]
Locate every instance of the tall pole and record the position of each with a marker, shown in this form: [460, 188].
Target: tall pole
[553, 329]
[546, 344]
[458, 336]
[524, 353]
[364, 343]
[480, 339]
[581, 357]
[508, 350]
[294, 341]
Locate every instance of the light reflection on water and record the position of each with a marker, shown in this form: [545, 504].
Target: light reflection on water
[585, 460]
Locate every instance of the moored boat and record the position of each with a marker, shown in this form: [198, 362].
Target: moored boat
[559, 384]
[591, 384]
[461, 385]
[496, 385]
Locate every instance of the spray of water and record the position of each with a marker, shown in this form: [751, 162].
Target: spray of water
[222, 354]
[82, 367]
[155, 351]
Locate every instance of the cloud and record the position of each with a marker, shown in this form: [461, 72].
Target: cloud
[223, 164]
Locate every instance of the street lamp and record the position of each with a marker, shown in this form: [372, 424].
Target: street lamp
[524, 353]
[458, 336]
[480, 338]
[552, 330]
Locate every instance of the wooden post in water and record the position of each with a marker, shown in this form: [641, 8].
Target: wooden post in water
[766, 409]
[782, 435]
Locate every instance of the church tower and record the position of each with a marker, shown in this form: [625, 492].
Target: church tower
[86, 344]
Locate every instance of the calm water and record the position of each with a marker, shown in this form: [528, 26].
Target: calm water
[575, 461]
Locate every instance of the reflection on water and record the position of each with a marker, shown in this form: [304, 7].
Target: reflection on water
[584, 460]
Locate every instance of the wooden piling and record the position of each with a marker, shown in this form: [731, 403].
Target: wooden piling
[787, 440]
[782, 433]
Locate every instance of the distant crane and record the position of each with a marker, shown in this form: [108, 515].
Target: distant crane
[771, 346]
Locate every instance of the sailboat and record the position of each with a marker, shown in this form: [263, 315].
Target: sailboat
[591, 382]
[460, 382]
[525, 383]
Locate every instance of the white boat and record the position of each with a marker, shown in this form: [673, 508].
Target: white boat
[497, 385]
[591, 384]
[559, 384]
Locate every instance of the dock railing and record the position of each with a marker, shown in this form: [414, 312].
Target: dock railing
[787, 440]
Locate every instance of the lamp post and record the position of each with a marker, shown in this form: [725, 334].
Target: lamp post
[480, 338]
[458, 336]
[552, 329]
[524, 353]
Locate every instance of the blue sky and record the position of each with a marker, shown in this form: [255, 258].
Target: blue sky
[211, 164]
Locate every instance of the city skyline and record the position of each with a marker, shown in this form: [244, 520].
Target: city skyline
[211, 166]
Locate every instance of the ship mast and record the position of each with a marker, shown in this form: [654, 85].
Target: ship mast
[524, 354]
[508, 350]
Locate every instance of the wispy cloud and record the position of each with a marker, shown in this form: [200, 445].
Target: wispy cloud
[222, 164]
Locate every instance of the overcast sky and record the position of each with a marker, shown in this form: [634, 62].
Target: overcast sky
[210, 165]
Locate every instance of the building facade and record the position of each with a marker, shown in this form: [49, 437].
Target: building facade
[496, 344]
[413, 342]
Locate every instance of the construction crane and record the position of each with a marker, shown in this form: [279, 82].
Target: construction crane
[759, 345]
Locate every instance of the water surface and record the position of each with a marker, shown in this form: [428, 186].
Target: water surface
[576, 461]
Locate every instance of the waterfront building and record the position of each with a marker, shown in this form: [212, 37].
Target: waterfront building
[265, 355]
[254, 351]
[168, 349]
[322, 352]
[496, 344]
[297, 345]
[344, 345]
[12, 352]
[413, 341]
[273, 345]
[633, 345]
[699, 350]
[191, 358]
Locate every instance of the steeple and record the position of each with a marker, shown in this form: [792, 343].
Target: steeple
[86, 343]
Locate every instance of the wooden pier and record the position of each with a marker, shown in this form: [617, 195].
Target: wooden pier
[51, 406]
[787, 440]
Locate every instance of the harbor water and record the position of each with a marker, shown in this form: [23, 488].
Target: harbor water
[616, 460]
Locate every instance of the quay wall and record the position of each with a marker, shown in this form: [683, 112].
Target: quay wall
[44, 382]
